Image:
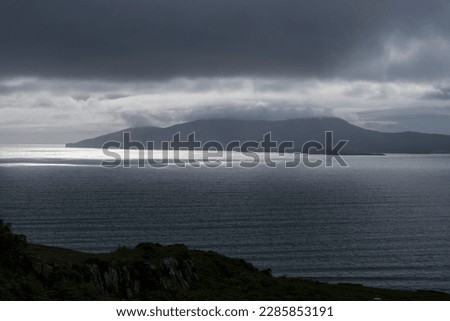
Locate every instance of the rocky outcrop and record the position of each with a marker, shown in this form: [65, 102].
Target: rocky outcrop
[123, 278]
[155, 272]
[179, 274]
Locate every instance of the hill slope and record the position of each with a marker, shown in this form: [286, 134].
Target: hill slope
[155, 272]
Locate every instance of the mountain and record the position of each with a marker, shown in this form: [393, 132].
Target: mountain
[299, 131]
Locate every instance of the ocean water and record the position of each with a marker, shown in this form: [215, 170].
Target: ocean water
[382, 221]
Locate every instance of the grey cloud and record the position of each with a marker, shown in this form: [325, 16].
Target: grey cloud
[421, 119]
[439, 94]
[277, 111]
[24, 87]
[136, 119]
[274, 111]
[116, 96]
[143, 39]
[81, 97]
[426, 123]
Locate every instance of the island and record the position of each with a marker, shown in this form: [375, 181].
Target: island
[300, 132]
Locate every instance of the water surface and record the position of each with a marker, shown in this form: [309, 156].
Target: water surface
[382, 221]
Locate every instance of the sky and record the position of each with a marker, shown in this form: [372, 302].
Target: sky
[71, 70]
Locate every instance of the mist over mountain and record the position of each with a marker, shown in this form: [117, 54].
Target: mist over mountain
[299, 131]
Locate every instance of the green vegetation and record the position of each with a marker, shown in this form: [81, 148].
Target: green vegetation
[156, 272]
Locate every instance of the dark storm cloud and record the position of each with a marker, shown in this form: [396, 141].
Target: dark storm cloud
[156, 39]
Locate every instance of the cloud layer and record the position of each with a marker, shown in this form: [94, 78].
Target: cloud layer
[73, 69]
[69, 110]
[141, 39]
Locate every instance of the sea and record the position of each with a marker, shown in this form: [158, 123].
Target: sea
[381, 221]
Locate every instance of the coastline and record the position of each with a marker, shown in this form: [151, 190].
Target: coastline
[156, 272]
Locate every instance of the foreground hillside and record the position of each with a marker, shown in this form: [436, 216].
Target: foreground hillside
[155, 272]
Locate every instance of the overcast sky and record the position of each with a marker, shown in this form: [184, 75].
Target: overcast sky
[70, 70]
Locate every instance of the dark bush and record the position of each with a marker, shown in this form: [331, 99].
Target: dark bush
[12, 246]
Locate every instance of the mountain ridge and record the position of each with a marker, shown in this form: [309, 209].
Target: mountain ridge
[298, 130]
